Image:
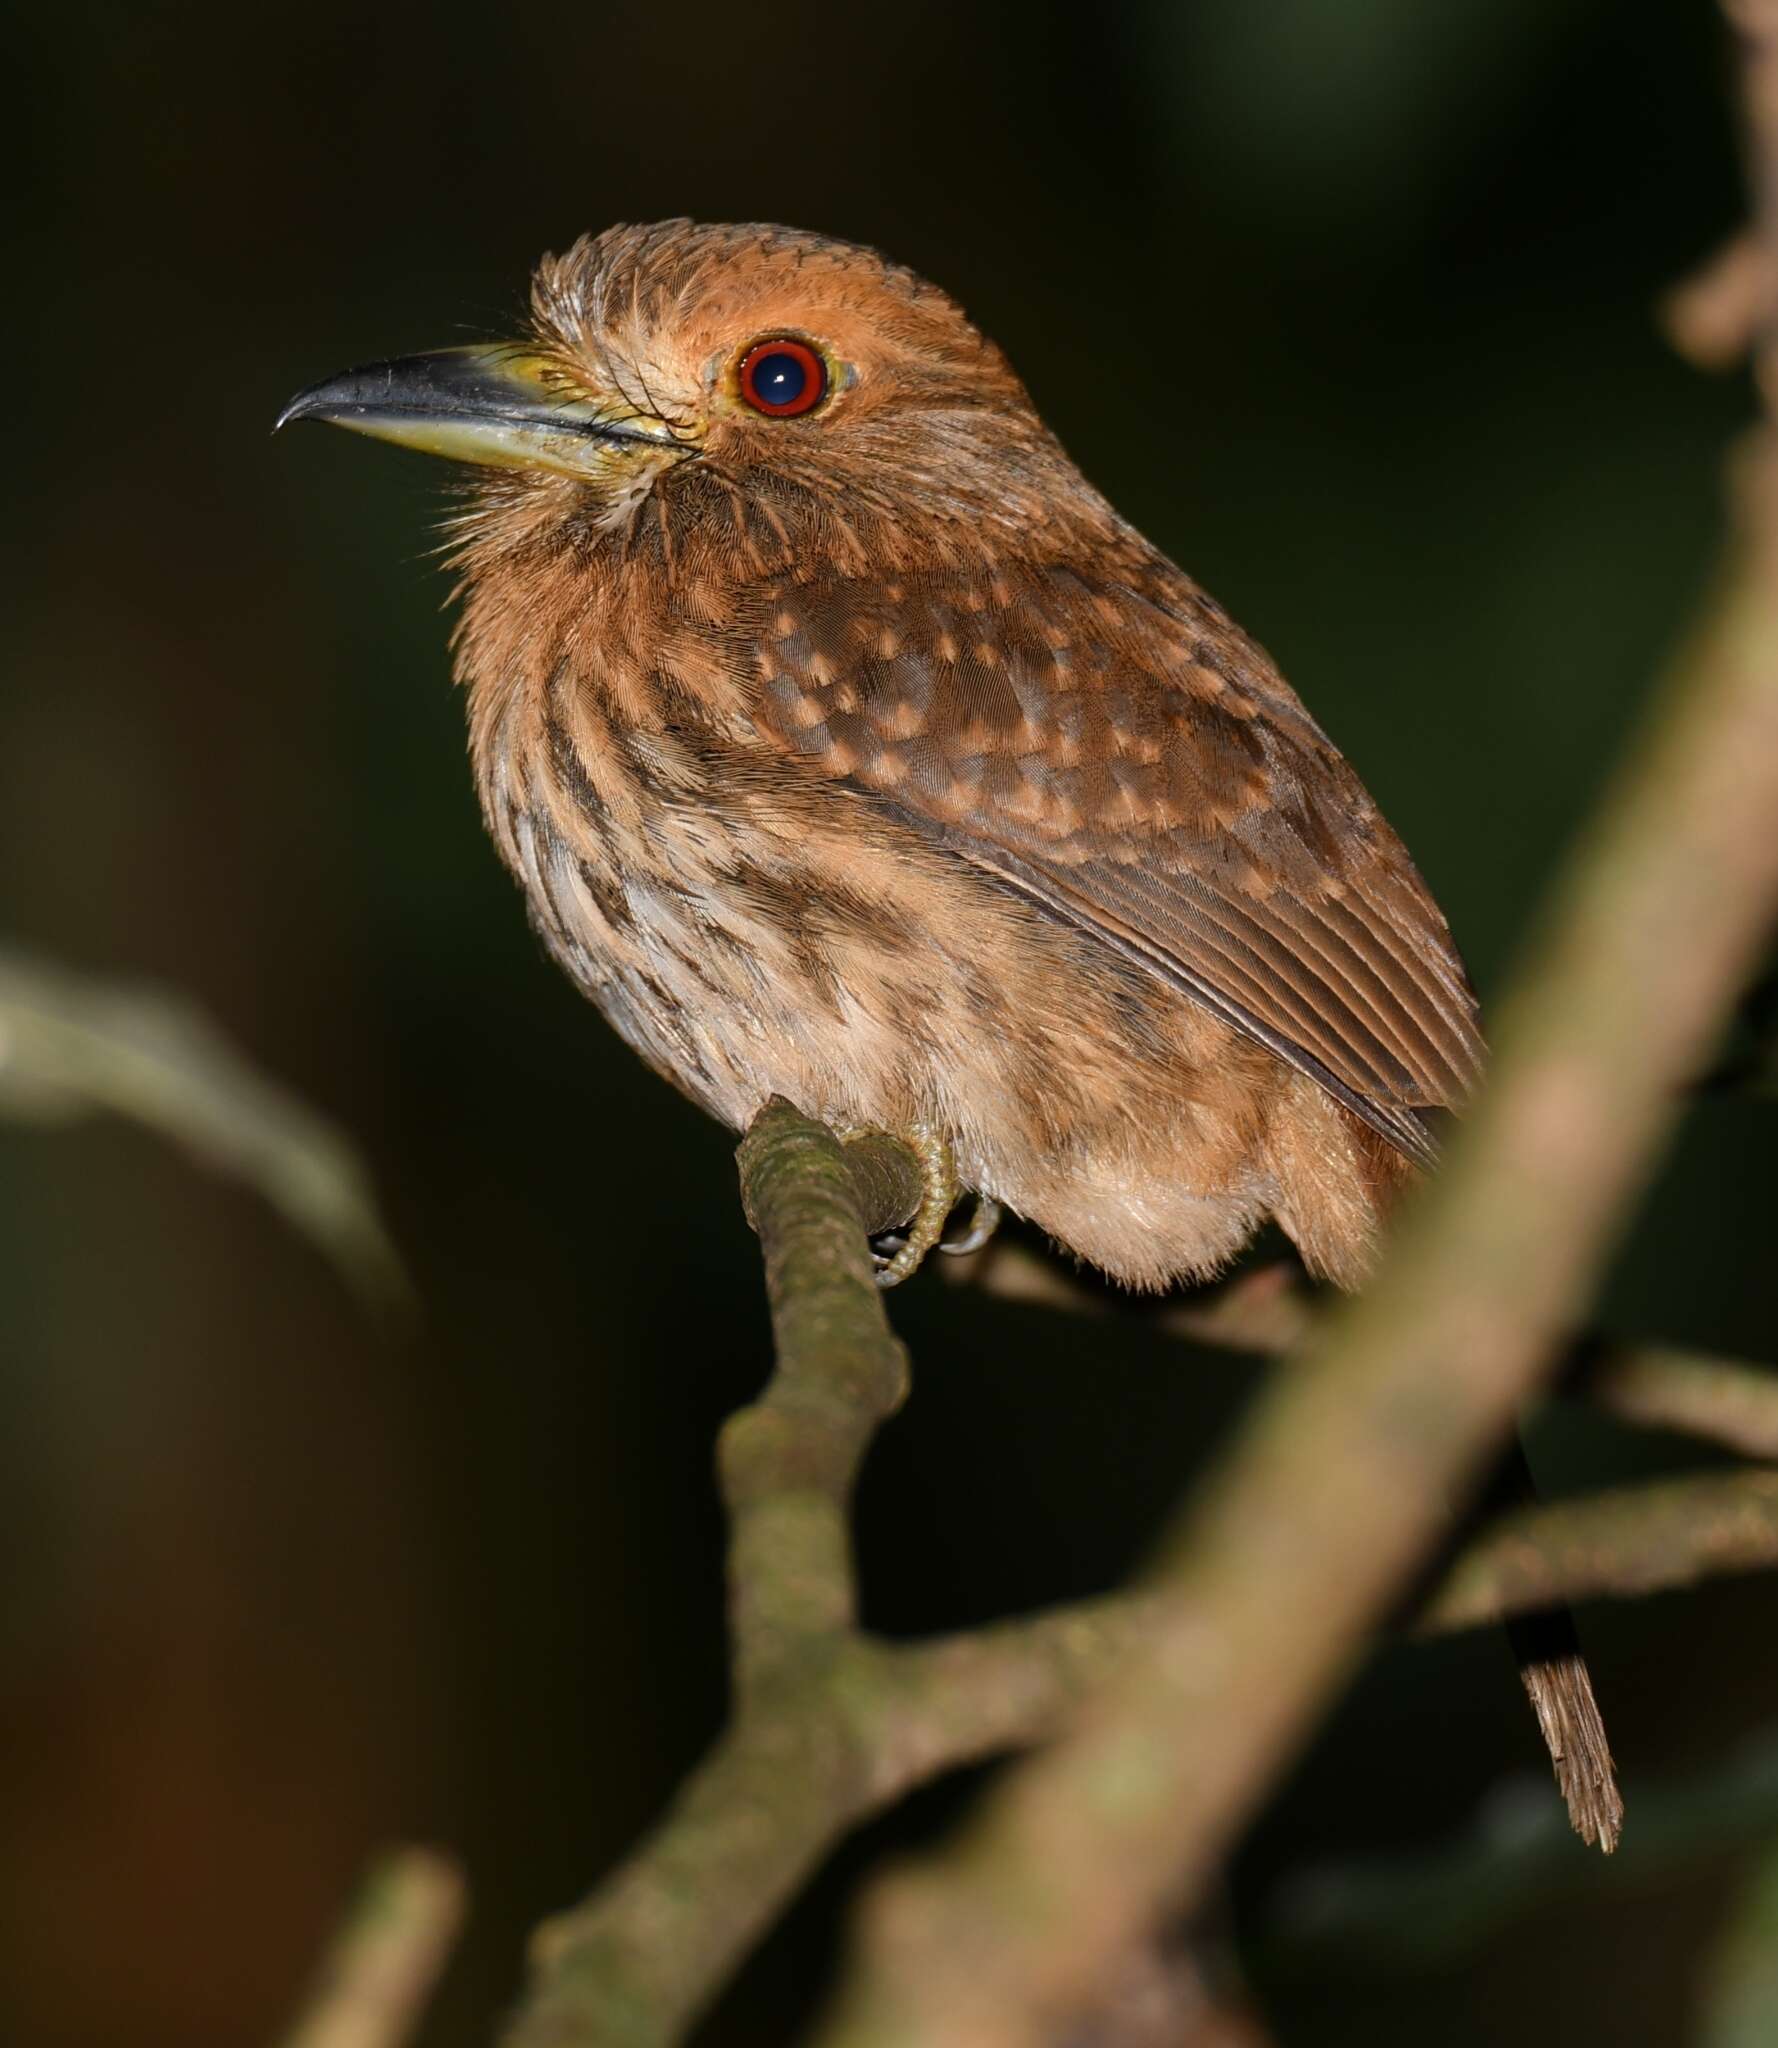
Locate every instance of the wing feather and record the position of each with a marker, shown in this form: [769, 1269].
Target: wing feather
[1120, 754]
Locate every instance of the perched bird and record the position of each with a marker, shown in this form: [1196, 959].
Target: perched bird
[849, 747]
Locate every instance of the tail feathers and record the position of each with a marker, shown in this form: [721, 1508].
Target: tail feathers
[1560, 1689]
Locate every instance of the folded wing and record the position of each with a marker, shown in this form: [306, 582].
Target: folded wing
[1120, 754]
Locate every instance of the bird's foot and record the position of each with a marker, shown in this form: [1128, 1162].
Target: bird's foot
[938, 1197]
[984, 1220]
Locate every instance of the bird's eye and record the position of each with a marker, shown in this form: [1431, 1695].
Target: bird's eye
[783, 378]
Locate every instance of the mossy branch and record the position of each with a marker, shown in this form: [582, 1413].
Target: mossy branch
[831, 1724]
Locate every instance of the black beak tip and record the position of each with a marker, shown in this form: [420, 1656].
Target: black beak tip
[303, 406]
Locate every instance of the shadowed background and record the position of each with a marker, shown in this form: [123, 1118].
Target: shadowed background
[1347, 306]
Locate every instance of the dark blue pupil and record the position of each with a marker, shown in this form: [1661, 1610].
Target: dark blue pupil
[779, 379]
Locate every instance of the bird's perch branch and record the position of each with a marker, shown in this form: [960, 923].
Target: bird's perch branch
[832, 1725]
[788, 1462]
[639, 1959]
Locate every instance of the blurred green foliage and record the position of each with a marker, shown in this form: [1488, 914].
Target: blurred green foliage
[1348, 305]
[1742, 2010]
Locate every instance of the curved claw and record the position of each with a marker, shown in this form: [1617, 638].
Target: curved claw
[938, 1198]
[984, 1220]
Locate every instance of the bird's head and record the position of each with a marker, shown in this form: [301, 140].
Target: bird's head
[690, 366]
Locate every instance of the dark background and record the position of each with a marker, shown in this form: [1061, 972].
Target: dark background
[1347, 302]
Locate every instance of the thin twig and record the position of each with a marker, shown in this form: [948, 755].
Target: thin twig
[1618, 1544]
[71, 1044]
[1635, 1539]
[1716, 1400]
[387, 1956]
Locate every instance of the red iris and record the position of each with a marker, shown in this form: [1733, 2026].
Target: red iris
[783, 378]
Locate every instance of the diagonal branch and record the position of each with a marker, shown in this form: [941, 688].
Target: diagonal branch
[1268, 1587]
[71, 1044]
[832, 1726]
[386, 1957]
[1617, 1544]
[1631, 1540]
[1718, 1400]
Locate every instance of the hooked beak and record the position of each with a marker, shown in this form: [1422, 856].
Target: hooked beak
[495, 404]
